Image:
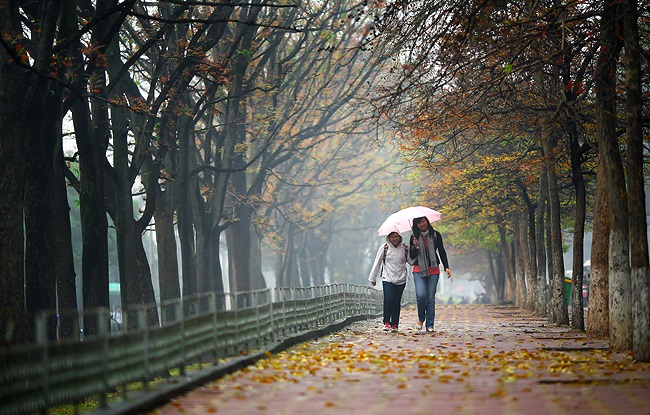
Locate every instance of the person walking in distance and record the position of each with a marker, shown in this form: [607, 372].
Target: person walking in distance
[427, 251]
[390, 264]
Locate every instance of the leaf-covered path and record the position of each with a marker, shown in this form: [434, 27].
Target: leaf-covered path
[482, 359]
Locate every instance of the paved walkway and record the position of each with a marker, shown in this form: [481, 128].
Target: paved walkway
[482, 359]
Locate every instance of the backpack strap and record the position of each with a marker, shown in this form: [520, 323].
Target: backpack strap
[406, 252]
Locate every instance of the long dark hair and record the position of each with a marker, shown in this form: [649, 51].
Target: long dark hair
[416, 230]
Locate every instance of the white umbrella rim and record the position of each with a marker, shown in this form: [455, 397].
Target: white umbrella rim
[390, 222]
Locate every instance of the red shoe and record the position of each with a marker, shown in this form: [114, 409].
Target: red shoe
[393, 328]
[387, 326]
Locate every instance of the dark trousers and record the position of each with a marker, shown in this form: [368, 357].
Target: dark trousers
[392, 302]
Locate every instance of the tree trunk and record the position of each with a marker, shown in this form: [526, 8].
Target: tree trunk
[304, 268]
[14, 103]
[541, 306]
[558, 309]
[318, 245]
[239, 238]
[520, 254]
[640, 272]
[168, 278]
[508, 262]
[620, 298]
[12, 253]
[92, 136]
[286, 276]
[135, 275]
[188, 208]
[550, 311]
[491, 290]
[42, 218]
[257, 276]
[528, 259]
[92, 141]
[22, 95]
[528, 241]
[66, 288]
[49, 264]
[279, 262]
[188, 255]
[598, 312]
[577, 306]
[500, 277]
[531, 262]
[205, 278]
[216, 268]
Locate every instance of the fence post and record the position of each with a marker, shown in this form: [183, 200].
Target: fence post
[256, 303]
[183, 337]
[272, 315]
[142, 322]
[103, 328]
[41, 340]
[215, 332]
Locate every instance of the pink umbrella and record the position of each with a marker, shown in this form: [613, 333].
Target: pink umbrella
[402, 220]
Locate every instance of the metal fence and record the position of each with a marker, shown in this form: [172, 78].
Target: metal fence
[48, 373]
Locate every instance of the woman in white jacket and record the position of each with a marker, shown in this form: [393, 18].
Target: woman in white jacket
[393, 256]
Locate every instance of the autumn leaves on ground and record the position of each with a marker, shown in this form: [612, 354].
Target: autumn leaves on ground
[481, 359]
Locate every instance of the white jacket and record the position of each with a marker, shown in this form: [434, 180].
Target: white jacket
[395, 270]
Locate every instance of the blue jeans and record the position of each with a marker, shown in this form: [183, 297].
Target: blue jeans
[425, 295]
[392, 302]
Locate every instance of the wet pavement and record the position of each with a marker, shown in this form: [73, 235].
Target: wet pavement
[482, 359]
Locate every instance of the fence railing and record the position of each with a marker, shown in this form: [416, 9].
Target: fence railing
[205, 328]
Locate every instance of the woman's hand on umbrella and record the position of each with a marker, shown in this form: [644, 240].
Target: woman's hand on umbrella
[448, 272]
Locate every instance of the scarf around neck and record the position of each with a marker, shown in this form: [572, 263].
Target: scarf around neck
[426, 257]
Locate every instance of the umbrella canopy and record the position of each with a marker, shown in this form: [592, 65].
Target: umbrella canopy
[402, 220]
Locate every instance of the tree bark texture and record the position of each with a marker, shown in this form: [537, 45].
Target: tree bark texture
[136, 287]
[540, 246]
[508, 262]
[598, 312]
[205, 277]
[520, 254]
[23, 94]
[558, 309]
[91, 139]
[577, 306]
[48, 250]
[168, 277]
[188, 210]
[620, 298]
[14, 101]
[531, 263]
[500, 277]
[257, 277]
[551, 311]
[640, 272]
[48, 246]
[239, 238]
